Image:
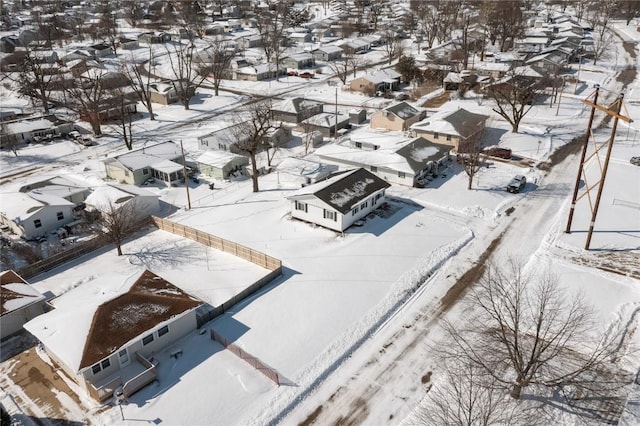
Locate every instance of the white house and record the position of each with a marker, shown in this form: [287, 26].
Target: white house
[105, 340]
[20, 303]
[35, 213]
[144, 202]
[336, 203]
[221, 164]
[392, 156]
[306, 171]
[31, 129]
[161, 161]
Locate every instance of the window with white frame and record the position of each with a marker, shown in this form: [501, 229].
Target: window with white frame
[354, 211]
[364, 205]
[60, 215]
[328, 214]
[301, 206]
[37, 223]
[436, 135]
[401, 175]
[374, 169]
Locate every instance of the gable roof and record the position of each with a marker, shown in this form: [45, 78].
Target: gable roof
[326, 119]
[459, 123]
[150, 301]
[403, 110]
[382, 76]
[343, 191]
[420, 151]
[16, 293]
[18, 206]
[147, 155]
[295, 105]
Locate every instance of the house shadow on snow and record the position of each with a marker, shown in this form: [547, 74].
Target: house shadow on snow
[384, 218]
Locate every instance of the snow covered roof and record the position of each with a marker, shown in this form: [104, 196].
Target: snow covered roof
[59, 186]
[32, 125]
[329, 49]
[326, 119]
[167, 166]
[295, 105]
[403, 110]
[220, 159]
[345, 190]
[257, 69]
[15, 293]
[115, 194]
[305, 168]
[148, 155]
[458, 123]
[383, 76]
[18, 206]
[107, 316]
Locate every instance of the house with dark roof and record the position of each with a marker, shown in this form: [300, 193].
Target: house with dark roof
[459, 128]
[397, 117]
[338, 202]
[294, 110]
[19, 303]
[384, 80]
[115, 336]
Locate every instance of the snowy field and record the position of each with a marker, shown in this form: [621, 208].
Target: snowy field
[344, 296]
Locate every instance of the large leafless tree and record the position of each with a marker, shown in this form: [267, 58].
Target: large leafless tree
[36, 79]
[599, 16]
[504, 21]
[186, 78]
[523, 329]
[86, 97]
[118, 219]
[250, 131]
[139, 82]
[218, 61]
[270, 27]
[515, 95]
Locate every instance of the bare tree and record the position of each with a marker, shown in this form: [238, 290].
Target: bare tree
[466, 395]
[139, 81]
[86, 97]
[599, 16]
[341, 68]
[7, 140]
[514, 96]
[123, 116]
[471, 159]
[250, 131]
[524, 330]
[504, 21]
[191, 18]
[218, 61]
[186, 78]
[118, 219]
[428, 18]
[392, 45]
[35, 80]
[134, 12]
[270, 27]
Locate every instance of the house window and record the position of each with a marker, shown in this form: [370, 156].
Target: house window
[436, 135]
[448, 137]
[401, 175]
[378, 196]
[37, 223]
[96, 368]
[163, 330]
[145, 171]
[354, 211]
[147, 339]
[374, 169]
[60, 215]
[364, 205]
[126, 173]
[301, 206]
[328, 214]
[359, 145]
[124, 356]
[105, 363]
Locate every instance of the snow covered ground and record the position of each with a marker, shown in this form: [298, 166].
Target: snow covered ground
[346, 301]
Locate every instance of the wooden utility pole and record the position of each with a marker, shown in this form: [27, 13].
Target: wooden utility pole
[186, 178]
[614, 111]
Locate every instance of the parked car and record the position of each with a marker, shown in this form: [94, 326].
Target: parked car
[305, 74]
[401, 96]
[517, 183]
[635, 161]
[292, 73]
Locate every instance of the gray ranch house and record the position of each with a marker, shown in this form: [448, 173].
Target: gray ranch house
[327, 53]
[162, 161]
[294, 110]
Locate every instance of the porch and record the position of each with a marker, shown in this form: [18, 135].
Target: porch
[131, 378]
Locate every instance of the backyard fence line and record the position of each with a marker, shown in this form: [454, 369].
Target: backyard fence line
[269, 372]
[77, 250]
[246, 253]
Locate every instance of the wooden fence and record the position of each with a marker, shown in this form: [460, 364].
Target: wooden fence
[269, 372]
[246, 253]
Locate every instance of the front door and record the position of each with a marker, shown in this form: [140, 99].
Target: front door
[123, 357]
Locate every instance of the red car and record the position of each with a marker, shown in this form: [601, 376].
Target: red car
[305, 75]
[292, 73]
